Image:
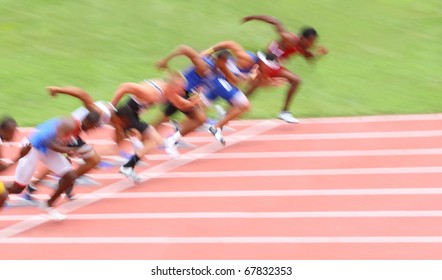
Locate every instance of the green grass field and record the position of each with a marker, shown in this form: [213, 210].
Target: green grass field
[385, 56]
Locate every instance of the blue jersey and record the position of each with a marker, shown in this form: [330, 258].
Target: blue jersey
[220, 87]
[241, 73]
[193, 80]
[46, 133]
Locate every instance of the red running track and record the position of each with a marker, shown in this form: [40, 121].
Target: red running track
[341, 188]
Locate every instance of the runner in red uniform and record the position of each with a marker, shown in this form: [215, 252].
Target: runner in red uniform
[281, 50]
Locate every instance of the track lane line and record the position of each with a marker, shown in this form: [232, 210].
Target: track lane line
[239, 215]
[254, 193]
[304, 172]
[152, 172]
[221, 240]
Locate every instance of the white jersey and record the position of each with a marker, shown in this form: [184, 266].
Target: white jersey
[105, 115]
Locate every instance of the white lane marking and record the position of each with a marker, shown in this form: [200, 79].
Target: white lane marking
[330, 136]
[221, 240]
[314, 154]
[304, 172]
[124, 184]
[240, 215]
[245, 193]
[354, 119]
[157, 172]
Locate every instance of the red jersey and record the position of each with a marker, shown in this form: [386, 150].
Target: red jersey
[285, 52]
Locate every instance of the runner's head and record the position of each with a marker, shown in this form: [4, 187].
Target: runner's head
[222, 54]
[308, 37]
[8, 127]
[91, 121]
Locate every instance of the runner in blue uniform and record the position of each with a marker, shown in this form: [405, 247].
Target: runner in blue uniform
[145, 94]
[91, 158]
[188, 84]
[239, 66]
[49, 143]
[227, 65]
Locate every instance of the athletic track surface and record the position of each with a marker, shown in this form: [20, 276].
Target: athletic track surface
[331, 188]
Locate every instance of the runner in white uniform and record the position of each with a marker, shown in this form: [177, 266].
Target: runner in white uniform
[8, 127]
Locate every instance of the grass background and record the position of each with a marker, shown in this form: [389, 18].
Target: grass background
[385, 55]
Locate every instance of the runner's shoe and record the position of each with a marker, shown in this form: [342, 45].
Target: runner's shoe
[69, 193]
[52, 213]
[130, 173]
[29, 190]
[170, 146]
[288, 117]
[217, 133]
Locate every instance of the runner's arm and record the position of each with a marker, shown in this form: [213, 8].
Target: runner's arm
[66, 127]
[119, 94]
[230, 77]
[315, 53]
[23, 152]
[3, 164]
[242, 57]
[184, 50]
[174, 92]
[77, 93]
[268, 19]
[119, 130]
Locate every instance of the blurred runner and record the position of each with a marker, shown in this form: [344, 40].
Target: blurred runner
[288, 44]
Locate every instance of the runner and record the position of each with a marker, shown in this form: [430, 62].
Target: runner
[286, 46]
[8, 127]
[86, 152]
[188, 84]
[49, 143]
[142, 96]
[235, 65]
[221, 75]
